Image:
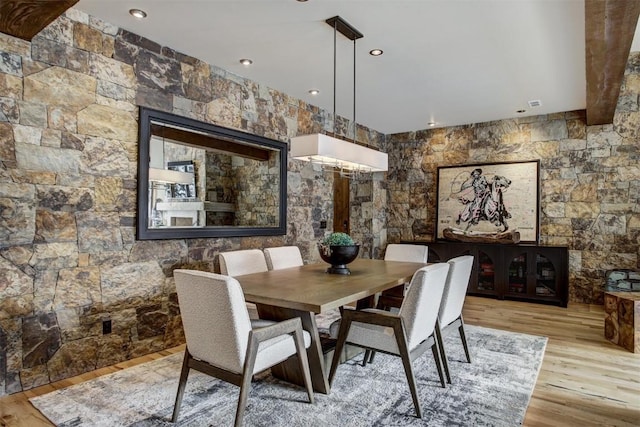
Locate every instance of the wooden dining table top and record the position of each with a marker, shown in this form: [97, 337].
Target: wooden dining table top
[310, 288]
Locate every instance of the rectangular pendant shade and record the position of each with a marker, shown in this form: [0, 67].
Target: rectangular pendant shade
[170, 176]
[330, 151]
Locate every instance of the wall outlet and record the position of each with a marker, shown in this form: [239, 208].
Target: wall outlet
[323, 225]
[106, 326]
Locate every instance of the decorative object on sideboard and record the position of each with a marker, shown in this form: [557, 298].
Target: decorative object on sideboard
[458, 235]
[338, 249]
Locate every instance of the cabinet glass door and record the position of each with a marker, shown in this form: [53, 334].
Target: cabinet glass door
[518, 275]
[486, 272]
[545, 277]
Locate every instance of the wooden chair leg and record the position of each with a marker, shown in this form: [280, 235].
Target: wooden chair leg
[436, 356]
[184, 374]
[408, 369]
[365, 359]
[304, 362]
[463, 337]
[443, 355]
[247, 376]
[342, 337]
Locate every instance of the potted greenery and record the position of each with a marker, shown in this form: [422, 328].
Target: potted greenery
[338, 249]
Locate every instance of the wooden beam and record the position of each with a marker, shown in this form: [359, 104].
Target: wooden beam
[609, 29]
[210, 142]
[26, 18]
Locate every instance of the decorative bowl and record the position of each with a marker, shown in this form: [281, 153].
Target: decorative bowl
[339, 257]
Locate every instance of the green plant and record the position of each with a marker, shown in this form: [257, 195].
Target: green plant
[338, 239]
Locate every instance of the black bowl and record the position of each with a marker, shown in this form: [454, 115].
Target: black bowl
[339, 257]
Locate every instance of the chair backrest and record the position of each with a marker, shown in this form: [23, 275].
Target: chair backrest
[455, 288]
[406, 253]
[283, 257]
[214, 317]
[419, 309]
[237, 263]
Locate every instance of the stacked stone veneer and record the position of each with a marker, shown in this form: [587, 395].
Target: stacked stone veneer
[590, 181]
[68, 153]
[68, 164]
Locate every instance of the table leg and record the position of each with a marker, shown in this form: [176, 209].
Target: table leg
[289, 369]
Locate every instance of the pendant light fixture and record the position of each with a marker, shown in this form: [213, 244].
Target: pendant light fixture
[329, 151]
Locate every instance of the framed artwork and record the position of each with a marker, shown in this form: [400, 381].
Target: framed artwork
[491, 198]
[182, 191]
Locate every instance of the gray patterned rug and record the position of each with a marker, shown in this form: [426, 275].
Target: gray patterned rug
[494, 390]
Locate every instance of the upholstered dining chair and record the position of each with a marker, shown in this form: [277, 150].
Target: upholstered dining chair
[223, 342]
[247, 261]
[283, 257]
[450, 313]
[407, 334]
[400, 252]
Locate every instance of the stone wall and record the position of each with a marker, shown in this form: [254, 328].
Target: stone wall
[69, 258]
[590, 181]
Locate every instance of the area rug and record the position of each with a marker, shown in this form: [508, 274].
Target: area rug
[494, 390]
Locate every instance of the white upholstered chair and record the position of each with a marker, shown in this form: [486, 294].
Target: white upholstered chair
[407, 334]
[450, 314]
[400, 252]
[223, 342]
[283, 257]
[247, 261]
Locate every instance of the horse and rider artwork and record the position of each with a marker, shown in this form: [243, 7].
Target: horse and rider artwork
[489, 199]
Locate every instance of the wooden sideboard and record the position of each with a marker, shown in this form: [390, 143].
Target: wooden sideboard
[520, 272]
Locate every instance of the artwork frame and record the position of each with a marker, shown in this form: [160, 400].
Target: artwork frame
[183, 191]
[489, 197]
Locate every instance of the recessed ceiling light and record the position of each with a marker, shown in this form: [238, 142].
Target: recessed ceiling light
[431, 124]
[138, 13]
[376, 52]
[302, 1]
[521, 111]
[314, 91]
[246, 61]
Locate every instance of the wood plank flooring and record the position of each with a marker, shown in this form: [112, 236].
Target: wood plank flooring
[584, 380]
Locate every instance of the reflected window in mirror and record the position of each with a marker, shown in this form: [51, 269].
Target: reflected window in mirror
[201, 180]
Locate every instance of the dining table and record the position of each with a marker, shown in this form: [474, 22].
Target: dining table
[307, 290]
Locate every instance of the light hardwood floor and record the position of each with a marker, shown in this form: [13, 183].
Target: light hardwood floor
[584, 380]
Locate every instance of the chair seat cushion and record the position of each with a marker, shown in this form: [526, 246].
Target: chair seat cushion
[275, 350]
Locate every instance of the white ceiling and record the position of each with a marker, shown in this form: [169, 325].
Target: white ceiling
[446, 61]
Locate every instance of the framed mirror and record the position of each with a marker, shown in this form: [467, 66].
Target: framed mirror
[198, 180]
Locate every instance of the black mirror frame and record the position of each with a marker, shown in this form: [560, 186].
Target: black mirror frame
[143, 232]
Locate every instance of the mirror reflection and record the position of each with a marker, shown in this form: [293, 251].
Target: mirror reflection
[204, 177]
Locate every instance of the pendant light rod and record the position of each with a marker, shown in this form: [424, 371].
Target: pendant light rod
[350, 32]
[335, 34]
[354, 90]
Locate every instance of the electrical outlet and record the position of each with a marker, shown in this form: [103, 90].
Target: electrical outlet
[106, 326]
[323, 225]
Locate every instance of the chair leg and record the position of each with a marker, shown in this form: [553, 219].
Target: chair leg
[435, 349]
[304, 362]
[247, 376]
[463, 337]
[365, 359]
[184, 373]
[443, 355]
[408, 369]
[342, 337]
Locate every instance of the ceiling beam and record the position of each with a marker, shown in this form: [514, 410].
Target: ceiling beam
[609, 29]
[26, 18]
